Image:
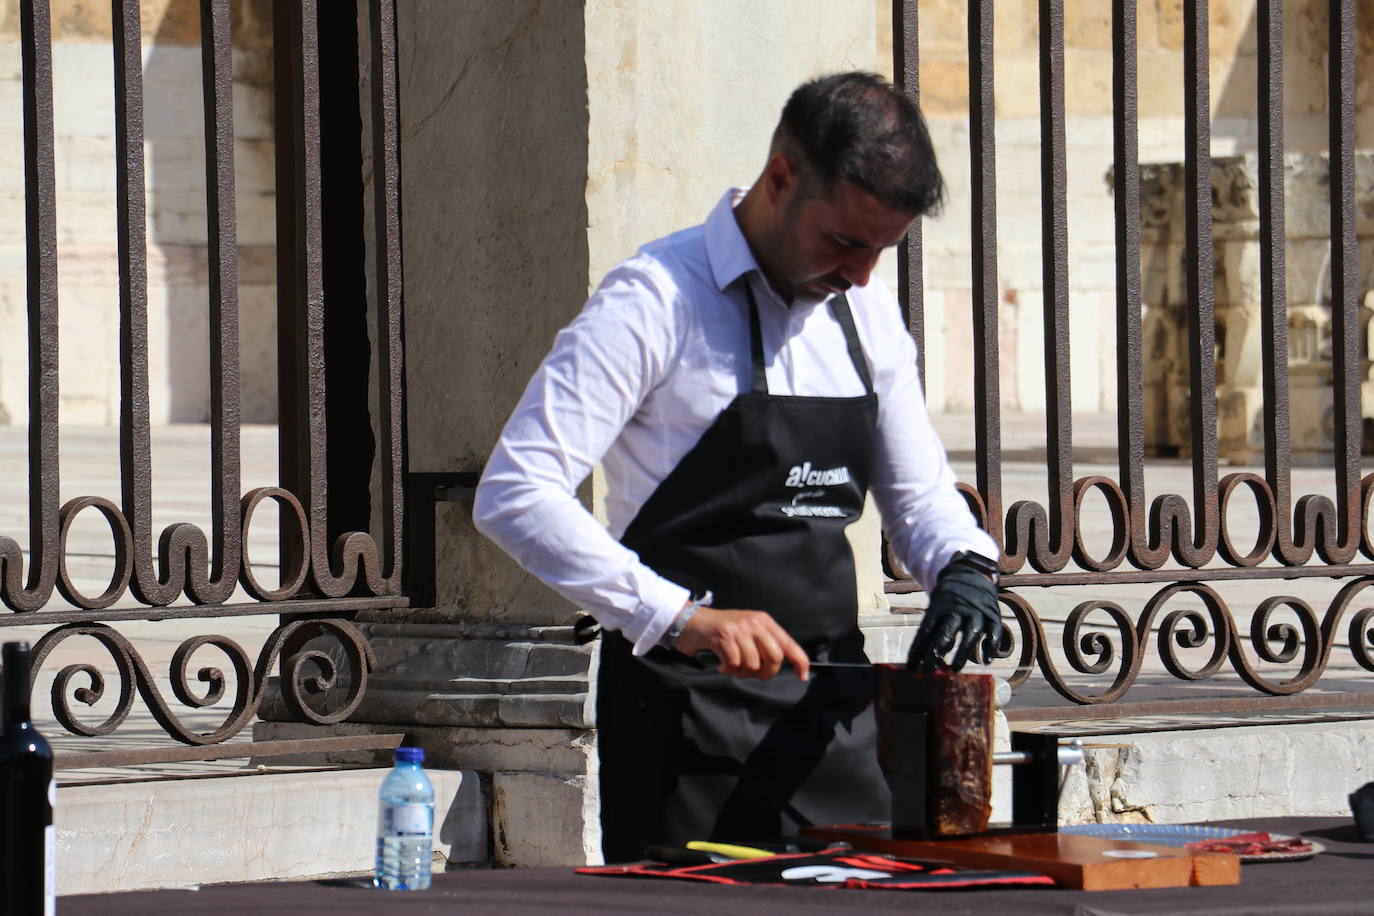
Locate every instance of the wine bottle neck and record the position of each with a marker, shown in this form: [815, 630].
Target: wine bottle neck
[15, 701]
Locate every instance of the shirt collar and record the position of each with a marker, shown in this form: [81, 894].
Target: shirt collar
[731, 257]
[726, 248]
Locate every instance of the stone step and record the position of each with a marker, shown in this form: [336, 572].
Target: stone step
[256, 826]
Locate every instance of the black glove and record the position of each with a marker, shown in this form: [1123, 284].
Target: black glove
[963, 604]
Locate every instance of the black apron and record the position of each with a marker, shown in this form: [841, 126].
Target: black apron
[755, 513]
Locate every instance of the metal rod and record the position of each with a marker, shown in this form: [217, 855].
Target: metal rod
[1130, 390]
[1339, 545]
[1069, 755]
[40, 237]
[1273, 282]
[293, 397]
[310, 290]
[386, 184]
[910, 269]
[983, 173]
[1128, 577]
[1196, 547]
[1045, 536]
[318, 607]
[217, 583]
[135, 447]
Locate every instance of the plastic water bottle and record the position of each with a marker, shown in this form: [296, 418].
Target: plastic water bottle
[405, 824]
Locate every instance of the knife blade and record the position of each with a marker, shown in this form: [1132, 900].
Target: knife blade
[711, 660]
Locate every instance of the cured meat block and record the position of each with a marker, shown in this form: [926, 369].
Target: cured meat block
[935, 747]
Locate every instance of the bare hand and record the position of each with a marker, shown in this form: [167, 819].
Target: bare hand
[748, 643]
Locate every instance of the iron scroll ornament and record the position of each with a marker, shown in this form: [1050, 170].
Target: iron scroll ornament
[1121, 645]
[185, 561]
[293, 642]
[1147, 536]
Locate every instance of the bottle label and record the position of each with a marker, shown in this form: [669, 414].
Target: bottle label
[407, 820]
[50, 856]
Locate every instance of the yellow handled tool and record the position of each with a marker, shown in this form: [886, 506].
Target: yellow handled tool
[731, 850]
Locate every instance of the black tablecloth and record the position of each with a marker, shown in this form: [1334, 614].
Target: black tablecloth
[1338, 881]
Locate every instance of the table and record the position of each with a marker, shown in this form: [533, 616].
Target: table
[1338, 881]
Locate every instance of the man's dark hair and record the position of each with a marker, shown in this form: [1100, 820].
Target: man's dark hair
[857, 127]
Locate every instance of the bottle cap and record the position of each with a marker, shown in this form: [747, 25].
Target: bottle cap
[410, 755]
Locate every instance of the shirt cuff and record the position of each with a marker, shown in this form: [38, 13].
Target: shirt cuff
[657, 610]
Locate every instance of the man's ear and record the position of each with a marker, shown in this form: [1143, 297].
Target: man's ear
[780, 179]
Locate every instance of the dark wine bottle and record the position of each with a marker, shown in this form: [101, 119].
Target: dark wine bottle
[27, 790]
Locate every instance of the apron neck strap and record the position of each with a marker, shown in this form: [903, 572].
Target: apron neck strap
[839, 309]
[760, 378]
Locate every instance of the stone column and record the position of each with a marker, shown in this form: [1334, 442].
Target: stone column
[1236, 241]
[541, 143]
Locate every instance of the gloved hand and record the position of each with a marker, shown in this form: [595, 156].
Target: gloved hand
[963, 604]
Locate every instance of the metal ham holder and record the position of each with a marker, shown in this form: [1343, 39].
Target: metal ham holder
[935, 743]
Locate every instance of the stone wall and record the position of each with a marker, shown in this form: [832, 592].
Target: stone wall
[542, 143]
[1088, 102]
[178, 294]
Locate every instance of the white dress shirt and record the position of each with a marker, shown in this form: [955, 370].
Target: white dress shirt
[660, 349]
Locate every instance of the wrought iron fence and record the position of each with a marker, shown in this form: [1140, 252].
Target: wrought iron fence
[329, 570]
[1307, 536]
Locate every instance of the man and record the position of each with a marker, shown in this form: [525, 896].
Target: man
[744, 383]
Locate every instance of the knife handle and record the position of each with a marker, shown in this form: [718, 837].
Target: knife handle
[677, 855]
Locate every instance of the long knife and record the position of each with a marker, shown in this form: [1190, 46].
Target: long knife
[711, 660]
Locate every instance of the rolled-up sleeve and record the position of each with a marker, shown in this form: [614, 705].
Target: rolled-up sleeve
[589, 386]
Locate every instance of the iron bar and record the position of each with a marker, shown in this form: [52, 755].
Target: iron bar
[135, 448]
[148, 584]
[286, 608]
[1340, 544]
[293, 396]
[310, 301]
[983, 174]
[1054, 240]
[40, 241]
[350, 443]
[1195, 540]
[334, 567]
[1046, 538]
[910, 269]
[1136, 577]
[386, 186]
[1273, 280]
[217, 583]
[1130, 390]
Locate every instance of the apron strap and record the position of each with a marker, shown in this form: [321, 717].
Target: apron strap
[839, 309]
[760, 378]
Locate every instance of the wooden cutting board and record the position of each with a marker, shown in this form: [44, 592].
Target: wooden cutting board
[1089, 863]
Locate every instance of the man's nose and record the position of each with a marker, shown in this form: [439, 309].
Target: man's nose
[859, 266]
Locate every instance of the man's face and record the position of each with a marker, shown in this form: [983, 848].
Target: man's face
[827, 240]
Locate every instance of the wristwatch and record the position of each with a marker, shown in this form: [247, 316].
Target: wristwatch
[979, 562]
